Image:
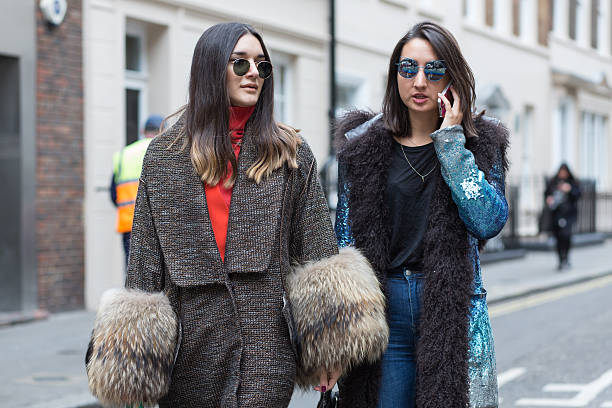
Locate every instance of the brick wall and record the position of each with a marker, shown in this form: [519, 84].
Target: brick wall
[60, 188]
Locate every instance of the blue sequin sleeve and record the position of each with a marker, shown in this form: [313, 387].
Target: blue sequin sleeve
[342, 227]
[482, 204]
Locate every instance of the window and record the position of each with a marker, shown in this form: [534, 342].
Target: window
[598, 24]
[133, 52]
[561, 126]
[282, 86]
[528, 199]
[593, 143]
[516, 17]
[490, 15]
[556, 12]
[136, 77]
[576, 20]
[132, 115]
[11, 161]
[350, 93]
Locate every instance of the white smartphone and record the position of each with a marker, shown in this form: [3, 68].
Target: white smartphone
[449, 95]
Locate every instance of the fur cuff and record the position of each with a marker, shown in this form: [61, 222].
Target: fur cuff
[132, 348]
[339, 312]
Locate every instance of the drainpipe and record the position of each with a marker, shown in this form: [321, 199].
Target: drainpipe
[332, 73]
[331, 114]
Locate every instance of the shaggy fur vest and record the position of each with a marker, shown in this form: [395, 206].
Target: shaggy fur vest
[442, 356]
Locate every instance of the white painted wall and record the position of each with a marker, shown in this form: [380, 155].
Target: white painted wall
[172, 30]
[367, 31]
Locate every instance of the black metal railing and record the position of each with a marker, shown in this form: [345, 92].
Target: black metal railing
[594, 209]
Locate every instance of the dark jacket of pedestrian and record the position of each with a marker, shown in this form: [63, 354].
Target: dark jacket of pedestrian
[562, 200]
[561, 196]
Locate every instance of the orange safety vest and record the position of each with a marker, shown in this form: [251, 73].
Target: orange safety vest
[127, 166]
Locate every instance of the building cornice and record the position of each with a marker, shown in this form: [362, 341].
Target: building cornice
[512, 41]
[585, 51]
[293, 30]
[572, 80]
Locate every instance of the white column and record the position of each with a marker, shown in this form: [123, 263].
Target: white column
[502, 16]
[605, 29]
[475, 11]
[583, 17]
[528, 18]
[561, 18]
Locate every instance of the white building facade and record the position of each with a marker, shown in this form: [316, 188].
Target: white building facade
[551, 89]
[137, 58]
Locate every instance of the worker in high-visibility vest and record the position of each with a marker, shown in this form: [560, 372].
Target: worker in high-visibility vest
[127, 166]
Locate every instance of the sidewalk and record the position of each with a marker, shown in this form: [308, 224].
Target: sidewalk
[42, 362]
[537, 271]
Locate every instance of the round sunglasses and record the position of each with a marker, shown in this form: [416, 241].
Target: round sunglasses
[242, 66]
[409, 68]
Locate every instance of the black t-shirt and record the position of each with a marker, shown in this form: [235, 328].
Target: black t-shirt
[408, 198]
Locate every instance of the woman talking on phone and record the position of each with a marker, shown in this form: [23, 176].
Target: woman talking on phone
[421, 187]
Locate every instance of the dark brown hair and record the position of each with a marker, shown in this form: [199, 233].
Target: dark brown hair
[444, 44]
[207, 113]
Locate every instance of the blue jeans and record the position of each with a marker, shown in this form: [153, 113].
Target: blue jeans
[404, 299]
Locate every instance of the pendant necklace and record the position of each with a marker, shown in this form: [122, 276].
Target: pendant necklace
[415, 170]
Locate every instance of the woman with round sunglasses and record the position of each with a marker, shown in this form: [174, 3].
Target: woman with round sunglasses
[421, 188]
[232, 233]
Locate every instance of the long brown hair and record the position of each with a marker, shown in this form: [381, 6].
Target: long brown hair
[444, 44]
[207, 113]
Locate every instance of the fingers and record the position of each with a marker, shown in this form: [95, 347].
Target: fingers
[327, 379]
[445, 101]
[323, 382]
[332, 379]
[457, 100]
[453, 115]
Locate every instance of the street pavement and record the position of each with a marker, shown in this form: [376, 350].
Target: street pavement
[553, 348]
[42, 362]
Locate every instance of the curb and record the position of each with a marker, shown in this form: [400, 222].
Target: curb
[84, 400]
[545, 288]
[13, 318]
[503, 255]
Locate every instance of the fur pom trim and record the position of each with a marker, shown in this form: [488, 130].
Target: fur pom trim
[131, 352]
[339, 312]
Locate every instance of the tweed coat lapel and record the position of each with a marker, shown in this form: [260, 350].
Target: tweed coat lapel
[181, 207]
[254, 216]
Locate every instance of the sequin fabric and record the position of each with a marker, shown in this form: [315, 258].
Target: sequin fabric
[342, 227]
[482, 204]
[470, 186]
[483, 208]
[481, 360]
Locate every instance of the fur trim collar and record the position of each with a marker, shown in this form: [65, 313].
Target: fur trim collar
[442, 360]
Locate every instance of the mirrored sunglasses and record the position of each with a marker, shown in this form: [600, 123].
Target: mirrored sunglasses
[409, 68]
[242, 66]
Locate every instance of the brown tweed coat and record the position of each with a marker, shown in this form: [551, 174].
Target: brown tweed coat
[235, 348]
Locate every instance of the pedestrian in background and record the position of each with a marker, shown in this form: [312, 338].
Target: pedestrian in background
[421, 188]
[229, 203]
[561, 195]
[127, 165]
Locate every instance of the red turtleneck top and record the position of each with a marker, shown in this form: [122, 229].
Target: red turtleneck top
[218, 198]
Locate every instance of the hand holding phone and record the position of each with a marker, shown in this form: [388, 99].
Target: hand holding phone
[446, 92]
